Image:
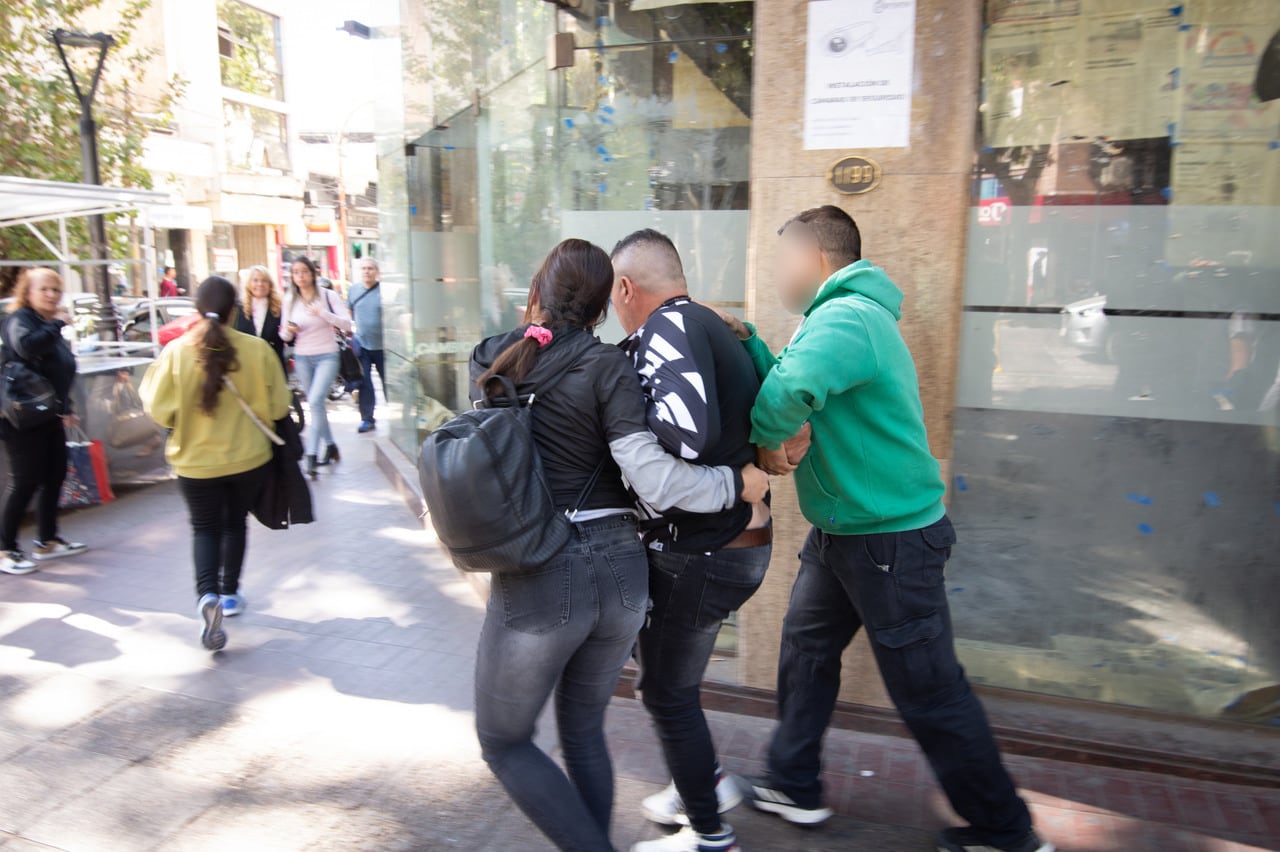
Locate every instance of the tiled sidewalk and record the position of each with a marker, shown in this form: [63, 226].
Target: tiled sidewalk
[339, 717]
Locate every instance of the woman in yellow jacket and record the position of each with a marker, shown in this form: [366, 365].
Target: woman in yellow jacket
[218, 452]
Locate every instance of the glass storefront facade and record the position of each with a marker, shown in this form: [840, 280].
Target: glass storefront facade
[649, 128]
[1117, 450]
[1116, 457]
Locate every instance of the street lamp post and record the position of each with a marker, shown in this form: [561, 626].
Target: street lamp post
[107, 326]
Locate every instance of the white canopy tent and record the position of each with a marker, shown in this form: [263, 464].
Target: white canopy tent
[25, 202]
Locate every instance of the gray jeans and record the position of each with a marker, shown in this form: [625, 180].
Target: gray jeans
[569, 627]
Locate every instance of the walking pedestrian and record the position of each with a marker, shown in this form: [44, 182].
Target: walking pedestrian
[38, 455]
[699, 386]
[569, 626]
[169, 283]
[200, 388]
[313, 316]
[880, 540]
[365, 303]
[260, 307]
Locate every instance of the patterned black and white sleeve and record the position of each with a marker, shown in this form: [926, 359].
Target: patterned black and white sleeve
[678, 375]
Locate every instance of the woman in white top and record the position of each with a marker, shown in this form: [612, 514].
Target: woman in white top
[312, 316]
[260, 309]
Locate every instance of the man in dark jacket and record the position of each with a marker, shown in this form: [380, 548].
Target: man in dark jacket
[699, 386]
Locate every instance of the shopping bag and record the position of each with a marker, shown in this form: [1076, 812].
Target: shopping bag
[87, 482]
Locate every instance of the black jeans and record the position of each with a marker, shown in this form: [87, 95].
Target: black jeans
[218, 508]
[370, 358]
[37, 462]
[893, 585]
[569, 627]
[692, 595]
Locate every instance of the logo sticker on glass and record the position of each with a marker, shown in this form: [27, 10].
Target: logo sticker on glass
[854, 175]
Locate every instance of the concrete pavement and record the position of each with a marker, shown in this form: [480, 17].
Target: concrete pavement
[339, 716]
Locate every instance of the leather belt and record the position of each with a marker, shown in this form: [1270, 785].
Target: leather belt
[751, 538]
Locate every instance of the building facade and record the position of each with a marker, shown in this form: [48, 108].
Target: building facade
[1079, 199]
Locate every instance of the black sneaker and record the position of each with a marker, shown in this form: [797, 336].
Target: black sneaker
[972, 840]
[774, 801]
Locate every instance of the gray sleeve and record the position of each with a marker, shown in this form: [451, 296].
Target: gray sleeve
[664, 481]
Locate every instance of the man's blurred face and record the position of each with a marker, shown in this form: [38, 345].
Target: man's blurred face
[369, 273]
[798, 268]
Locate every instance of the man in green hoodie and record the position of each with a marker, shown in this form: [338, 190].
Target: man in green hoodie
[880, 539]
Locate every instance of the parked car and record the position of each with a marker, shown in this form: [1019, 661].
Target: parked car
[137, 323]
[1084, 324]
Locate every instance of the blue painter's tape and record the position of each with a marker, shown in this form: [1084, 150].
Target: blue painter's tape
[609, 159]
[1211, 499]
[673, 56]
[600, 149]
[451, 147]
[602, 80]
[568, 122]
[961, 484]
[1274, 146]
[608, 109]
[1139, 498]
[957, 590]
[605, 119]
[1176, 10]
[721, 47]
[1184, 27]
[413, 210]
[1146, 529]
[1167, 192]
[603, 187]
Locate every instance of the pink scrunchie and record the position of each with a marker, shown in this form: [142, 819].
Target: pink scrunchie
[538, 333]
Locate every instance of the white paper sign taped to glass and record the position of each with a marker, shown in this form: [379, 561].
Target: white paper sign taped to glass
[859, 64]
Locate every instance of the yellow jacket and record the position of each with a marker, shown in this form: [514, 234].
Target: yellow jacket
[204, 446]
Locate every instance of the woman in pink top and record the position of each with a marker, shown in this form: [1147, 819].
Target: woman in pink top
[312, 315]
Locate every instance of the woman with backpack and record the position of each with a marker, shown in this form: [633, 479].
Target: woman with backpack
[570, 625]
[313, 316]
[213, 387]
[38, 453]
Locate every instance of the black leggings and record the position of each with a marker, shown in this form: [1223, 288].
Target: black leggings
[37, 462]
[218, 508]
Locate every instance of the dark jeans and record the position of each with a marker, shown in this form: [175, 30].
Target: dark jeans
[218, 508]
[37, 462]
[568, 627]
[370, 358]
[893, 585]
[692, 594]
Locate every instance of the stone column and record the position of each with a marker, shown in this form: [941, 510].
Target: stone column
[913, 225]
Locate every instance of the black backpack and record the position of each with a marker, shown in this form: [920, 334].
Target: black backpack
[484, 487]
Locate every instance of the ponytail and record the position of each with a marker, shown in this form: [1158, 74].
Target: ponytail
[216, 299]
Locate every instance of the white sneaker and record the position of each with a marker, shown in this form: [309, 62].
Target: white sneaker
[55, 548]
[213, 637]
[666, 807]
[688, 840]
[16, 562]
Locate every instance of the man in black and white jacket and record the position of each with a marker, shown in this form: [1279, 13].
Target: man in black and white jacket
[699, 386]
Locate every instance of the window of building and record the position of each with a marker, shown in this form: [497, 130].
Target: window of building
[1116, 449]
[249, 50]
[256, 139]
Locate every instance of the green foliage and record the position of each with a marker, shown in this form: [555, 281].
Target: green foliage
[40, 117]
[253, 66]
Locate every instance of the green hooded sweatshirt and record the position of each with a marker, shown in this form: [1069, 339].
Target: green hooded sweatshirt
[847, 371]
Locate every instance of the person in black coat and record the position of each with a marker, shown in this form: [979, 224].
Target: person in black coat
[260, 310]
[37, 456]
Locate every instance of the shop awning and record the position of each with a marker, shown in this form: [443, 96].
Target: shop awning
[26, 201]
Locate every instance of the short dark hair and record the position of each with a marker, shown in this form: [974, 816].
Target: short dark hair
[650, 238]
[836, 233]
